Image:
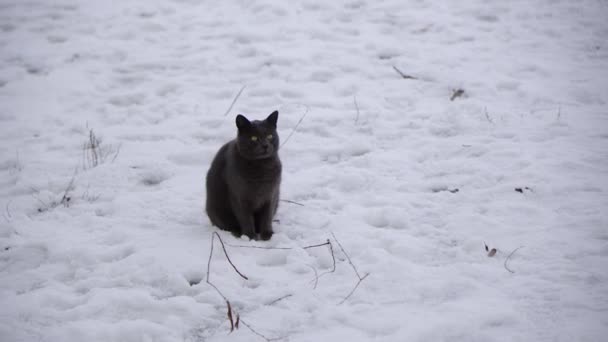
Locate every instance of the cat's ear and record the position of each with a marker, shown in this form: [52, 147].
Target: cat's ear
[242, 123]
[272, 118]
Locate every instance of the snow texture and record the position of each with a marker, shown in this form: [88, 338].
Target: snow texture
[110, 113]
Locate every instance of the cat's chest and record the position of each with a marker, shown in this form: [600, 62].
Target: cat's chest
[257, 180]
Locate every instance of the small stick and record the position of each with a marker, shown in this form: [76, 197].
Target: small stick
[316, 280]
[296, 126]
[333, 257]
[347, 256]
[279, 299]
[8, 210]
[234, 101]
[354, 289]
[407, 77]
[214, 234]
[258, 247]
[357, 107]
[260, 335]
[487, 115]
[319, 245]
[293, 202]
[507, 259]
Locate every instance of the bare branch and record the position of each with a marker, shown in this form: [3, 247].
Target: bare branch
[507, 259]
[354, 289]
[319, 245]
[293, 202]
[65, 199]
[234, 101]
[347, 256]
[279, 299]
[257, 247]
[487, 115]
[316, 280]
[457, 93]
[333, 258]
[260, 335]
[215, 234]
[407, 77]
[230, 316]
[296, 126]
[8, 209]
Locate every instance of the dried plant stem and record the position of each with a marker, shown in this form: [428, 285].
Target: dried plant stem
[488, 115]
[214, 235]
[407, 77]
[293, 202]
[354, 289]
[234, 101]
[354, 269]
[508, 257]
[279, 299]
[258, 334]
[347, 256]
[295, 127]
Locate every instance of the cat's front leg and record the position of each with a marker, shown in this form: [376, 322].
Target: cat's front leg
[244, 216]
[263, 220]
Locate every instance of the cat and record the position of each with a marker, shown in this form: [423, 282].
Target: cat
[244, 179]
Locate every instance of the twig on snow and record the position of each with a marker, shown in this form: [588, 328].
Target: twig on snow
[354, 269]
[347, 256]
[457, 93]
[8, 215]
[354, 289]
[293, 202]
[234, 101]
[256, 247]
[279, 299]
[260, 335]
[215, 234]
[485, 109]
[407, 77]
[508, 257]
[296, 126]
[65, 199]
[316, 280]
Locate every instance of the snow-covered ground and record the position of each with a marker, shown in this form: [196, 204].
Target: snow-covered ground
[411, 183]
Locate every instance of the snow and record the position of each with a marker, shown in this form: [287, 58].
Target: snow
[412, 184]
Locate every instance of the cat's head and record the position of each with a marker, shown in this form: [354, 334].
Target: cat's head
[257, 139]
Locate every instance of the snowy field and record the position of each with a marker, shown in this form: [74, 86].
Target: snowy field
[110, 113]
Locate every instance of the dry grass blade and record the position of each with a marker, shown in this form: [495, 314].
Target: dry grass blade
[354, 289]
[508, 257]
[457, 93]
[296, 127]
[347, 256]
[214, 235]
[407, 77]
[258, 334]
[279, 299]
[230, 316]
[293, 202]
[234, 101]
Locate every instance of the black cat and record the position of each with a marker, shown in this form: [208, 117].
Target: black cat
[244, 179]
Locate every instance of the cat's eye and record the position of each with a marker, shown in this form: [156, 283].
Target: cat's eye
[269, 136]
[254, 138]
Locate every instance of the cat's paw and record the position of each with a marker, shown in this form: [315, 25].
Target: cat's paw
[265, 236]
